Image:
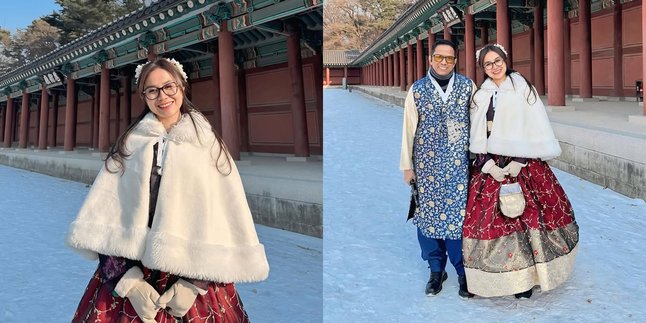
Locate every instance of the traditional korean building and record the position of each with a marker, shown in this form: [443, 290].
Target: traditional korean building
[254, 70]
[578, 48]
[336, 70]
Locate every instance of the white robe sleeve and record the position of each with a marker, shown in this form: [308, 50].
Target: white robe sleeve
[408, 132]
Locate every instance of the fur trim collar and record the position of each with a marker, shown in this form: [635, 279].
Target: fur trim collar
[520, 128]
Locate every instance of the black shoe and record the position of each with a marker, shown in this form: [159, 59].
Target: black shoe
[434, 284]
[526, 294]
[464, 291]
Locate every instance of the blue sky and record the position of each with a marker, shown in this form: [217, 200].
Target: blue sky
[19, 14]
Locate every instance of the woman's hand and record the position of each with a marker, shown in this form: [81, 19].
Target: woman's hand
[180, 297]
[514, 168]
[496, 172]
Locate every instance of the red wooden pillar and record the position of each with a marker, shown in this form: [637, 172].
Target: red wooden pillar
[380, 71]
[430, 41]
[3, 117]
[447, 33]
[409, 65]
[44, 111]
[585, 49]
[419, 58]
[70, 115]
[567, 57]
[389, 63]
[503, 28]
[484, 39]
[393, 68]
[555, 77]
[104, 111]
[384, 70]
[345, 73]
[127, 93]
[618, 51]
[396, 67]
[299, 117]
[244, 119]
[385, 62]
[53, 137]
[24, 120]
[643, 55]
[318, 86]
[9, 124]
[470, 46]
[215, 83]
[327, 76]
[375, 72]
[96, 99]
[402, 69]
[117, 116]
[539, 54]
[227, 91]
[532, 70]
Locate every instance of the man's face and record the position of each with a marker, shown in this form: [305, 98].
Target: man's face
[443, 60]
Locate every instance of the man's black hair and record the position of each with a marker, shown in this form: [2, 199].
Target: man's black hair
[445, 42]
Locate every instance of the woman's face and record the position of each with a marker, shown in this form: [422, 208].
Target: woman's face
[164, 96]
[495, 67]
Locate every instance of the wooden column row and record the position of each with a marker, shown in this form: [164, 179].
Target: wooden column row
[404, 66]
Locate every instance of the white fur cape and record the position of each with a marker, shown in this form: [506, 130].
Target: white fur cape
[520, 129]
[202, 227]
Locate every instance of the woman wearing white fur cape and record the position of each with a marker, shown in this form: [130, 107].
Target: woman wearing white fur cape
[512, 137]
[167, 217]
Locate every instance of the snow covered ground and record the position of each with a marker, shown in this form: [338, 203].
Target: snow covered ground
[41, 280]
[372, 269]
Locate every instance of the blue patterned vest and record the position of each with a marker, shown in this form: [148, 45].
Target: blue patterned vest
[441, 157]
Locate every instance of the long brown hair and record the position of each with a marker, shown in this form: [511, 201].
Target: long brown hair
[492, 48]
[118, 151]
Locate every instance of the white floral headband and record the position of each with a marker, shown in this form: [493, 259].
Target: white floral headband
[175, 63]
[495, 45]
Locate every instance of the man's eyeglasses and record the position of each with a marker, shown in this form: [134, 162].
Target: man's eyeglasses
[438, 58]
[489, 65]
[152, 92]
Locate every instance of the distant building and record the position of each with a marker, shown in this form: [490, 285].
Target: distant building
[336, 65]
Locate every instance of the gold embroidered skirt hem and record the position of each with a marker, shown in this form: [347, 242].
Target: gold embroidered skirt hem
[547, 275]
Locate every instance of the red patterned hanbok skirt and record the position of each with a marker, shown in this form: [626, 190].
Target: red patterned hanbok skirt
[505, 256]
[221, 304]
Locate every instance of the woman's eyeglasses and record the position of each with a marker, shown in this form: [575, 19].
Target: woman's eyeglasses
[489, 65]
[439, 58]
[152, 92]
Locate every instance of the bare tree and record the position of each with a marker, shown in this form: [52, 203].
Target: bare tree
[354, 24]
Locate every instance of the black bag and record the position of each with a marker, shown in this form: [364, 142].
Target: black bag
[413, 200]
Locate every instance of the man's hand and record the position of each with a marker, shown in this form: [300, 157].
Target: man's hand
[409, 176]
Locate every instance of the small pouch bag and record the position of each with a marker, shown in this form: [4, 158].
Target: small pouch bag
[511, 200]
